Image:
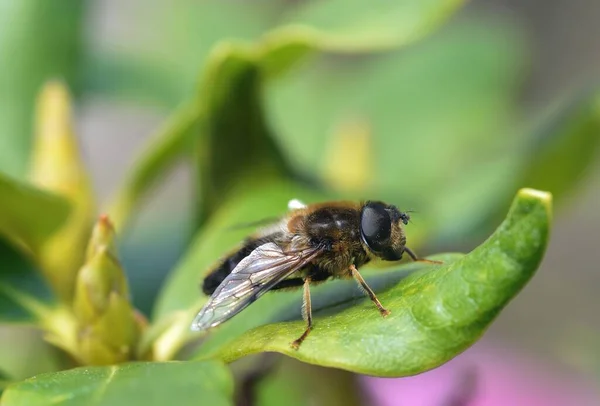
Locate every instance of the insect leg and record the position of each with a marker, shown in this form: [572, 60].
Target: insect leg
[384, 312]
[306, 314]
[417, 259]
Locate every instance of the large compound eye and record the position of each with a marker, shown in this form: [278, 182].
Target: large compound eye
[376, 226]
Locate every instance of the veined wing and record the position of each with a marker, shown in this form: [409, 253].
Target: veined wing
[266, 266]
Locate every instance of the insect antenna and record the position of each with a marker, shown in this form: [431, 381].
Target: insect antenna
[407, 218]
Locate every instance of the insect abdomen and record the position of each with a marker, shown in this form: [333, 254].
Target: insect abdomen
[214, 278]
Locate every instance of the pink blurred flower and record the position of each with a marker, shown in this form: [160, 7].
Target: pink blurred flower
[483, 376]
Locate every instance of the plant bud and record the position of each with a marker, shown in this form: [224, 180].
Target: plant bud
[97, 279]
[57, 167]
[108, 326]
[103, 236]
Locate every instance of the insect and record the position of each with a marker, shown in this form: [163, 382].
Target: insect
[308, 246]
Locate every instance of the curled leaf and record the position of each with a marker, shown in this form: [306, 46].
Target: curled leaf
[436, 312]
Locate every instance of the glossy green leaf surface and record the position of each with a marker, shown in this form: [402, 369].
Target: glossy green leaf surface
[28, 216]
[180, 383]
[436, 312]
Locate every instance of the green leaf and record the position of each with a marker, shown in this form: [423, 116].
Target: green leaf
[181, 383]
[21, 287]
[17, 305]
[233, 137]
[235, 140]
[39, 40]
[29, 216]
[436, 313]
[364, 26]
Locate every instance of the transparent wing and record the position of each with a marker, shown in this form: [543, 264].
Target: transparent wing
[251, 278]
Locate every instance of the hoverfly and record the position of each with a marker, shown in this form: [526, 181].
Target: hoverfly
[308, 246]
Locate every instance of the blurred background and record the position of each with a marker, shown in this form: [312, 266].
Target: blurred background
[472, 89]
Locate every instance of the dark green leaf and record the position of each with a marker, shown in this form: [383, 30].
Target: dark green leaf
[21, 287]
[39, 40]
[177, 383]
[28, 216]
[436, 313]
[234, 139]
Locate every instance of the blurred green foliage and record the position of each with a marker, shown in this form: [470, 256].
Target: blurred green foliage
[38, 40]
[314, 100]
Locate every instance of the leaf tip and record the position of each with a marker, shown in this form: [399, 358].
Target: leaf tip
[540, 196]
[544, 196]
